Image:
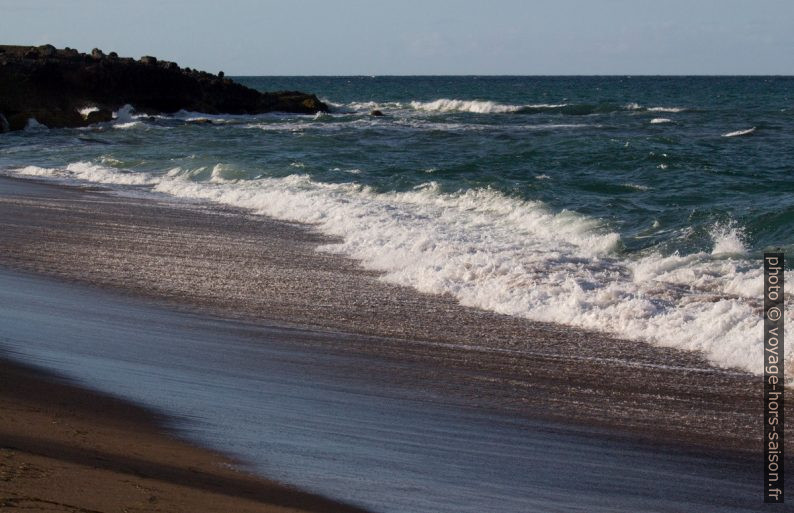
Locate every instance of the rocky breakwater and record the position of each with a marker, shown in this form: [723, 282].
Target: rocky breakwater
[65, 88]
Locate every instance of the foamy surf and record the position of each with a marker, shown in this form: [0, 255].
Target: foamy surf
[446, 105]
[451, 105]
[86, 111]
[476, 106]
[728, 240]
[88, 172]
[739, 133]
[666, 109]
[638, 107]
[504, 254]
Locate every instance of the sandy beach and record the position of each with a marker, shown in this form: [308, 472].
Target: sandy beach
[65, 448]
[228, 262]
[339, 321]
[395, 257]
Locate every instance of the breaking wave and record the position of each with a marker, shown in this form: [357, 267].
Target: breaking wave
[476, 106]
[739, 133]
[501, 253]
[447, 105]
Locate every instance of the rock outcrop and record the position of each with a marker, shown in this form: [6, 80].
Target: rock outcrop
[53, 86]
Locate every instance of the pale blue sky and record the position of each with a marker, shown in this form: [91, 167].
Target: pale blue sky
[399, 37]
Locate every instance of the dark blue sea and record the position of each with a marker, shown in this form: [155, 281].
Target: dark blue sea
[638, 206]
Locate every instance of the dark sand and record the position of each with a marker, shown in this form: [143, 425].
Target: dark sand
[379, 432]
[226, 262]
[66, 449]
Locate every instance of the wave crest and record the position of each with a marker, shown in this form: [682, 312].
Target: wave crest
[449, 105]
[740, 133]
[505, 254]
[476, 106]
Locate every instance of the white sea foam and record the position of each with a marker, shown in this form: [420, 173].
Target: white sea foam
[739, 133]
[637, 106]
[127, 125]
[370, 106]
[124, 114]
[353, 171]
[88, 172]
[666, 109]
[545, 105]
[126, 118]
[637, 187]
[476, 106]
[550, 126]
[658, 121]
[224, 173]
[85, 111]
[287, 127]
[35, 171]
[508, 255]
[445, 105]
[728, 239]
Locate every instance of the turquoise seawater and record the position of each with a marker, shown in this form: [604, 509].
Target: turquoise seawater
[634, 205]
[600, 141]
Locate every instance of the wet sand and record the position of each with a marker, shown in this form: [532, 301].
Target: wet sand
[359, 429]
[64, 448]
[259, 312]
[224, 261]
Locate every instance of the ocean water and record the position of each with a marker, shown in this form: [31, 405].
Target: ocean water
[637, 206]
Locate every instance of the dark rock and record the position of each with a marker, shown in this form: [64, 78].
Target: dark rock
[96, 53]
[53, 89]
[99, 116]
[113, 55]
[54, 117]
[376, 112]
[4, 125]
[47, 51]
[221, 74]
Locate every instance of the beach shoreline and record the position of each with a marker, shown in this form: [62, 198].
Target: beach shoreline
[67, 448]
[406, 345]
[230, 263]
[287, 404]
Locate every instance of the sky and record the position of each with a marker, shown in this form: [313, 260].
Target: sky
[428, 37]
